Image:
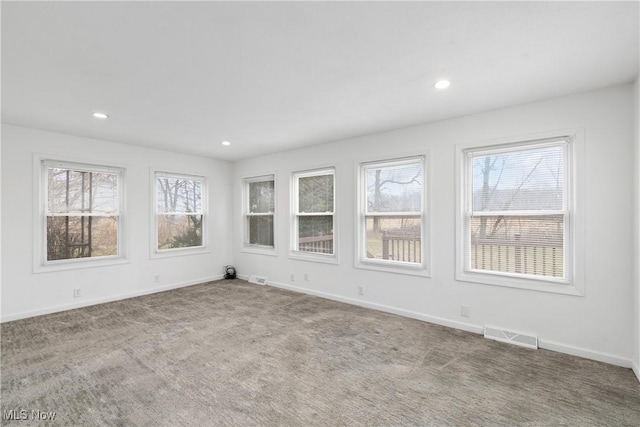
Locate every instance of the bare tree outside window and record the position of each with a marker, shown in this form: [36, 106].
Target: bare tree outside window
[518, 210]
[394, 209]
[179, 211]
[82, 211]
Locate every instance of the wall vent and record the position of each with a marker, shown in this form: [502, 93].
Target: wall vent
[258, 280]
[511, 337]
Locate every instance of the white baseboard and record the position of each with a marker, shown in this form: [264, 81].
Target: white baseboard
[102, 300]
[586, 353]
[469, 327]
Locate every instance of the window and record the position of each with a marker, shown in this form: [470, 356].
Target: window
[82, 215]
[517, 211]
[392, 229]
[179, 212]
[313, 213]
[259, 212]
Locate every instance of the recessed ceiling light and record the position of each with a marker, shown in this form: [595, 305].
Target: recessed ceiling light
[226, 143]
[442, 84]
[100, 115]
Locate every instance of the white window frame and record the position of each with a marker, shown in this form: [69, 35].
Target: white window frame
[246, 213]
[41, 164]
[573, 283]
[361, 260]
[295, 215]
[155, 252]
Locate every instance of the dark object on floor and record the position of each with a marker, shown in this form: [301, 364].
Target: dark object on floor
[229, 272]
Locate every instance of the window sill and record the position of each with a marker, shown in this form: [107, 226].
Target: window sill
[170, 253]
[314, 257]
[79, 263]
[540, 285]
[392, 267]
[260, 250]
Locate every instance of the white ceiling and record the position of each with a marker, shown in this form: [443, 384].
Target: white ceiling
[272, 76]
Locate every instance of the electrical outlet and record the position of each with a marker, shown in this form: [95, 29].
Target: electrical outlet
[360, 290]
[465, 310]
[293, 277]
[306, 277]
[156, 279]
[77, 293]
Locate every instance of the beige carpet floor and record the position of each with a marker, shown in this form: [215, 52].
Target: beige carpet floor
[233, 353]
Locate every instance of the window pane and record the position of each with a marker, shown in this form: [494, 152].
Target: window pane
[395, 238]
[81, 237]
[261, 197]
[518, 244]
[179, 231]
[527, 179]
[260, 230]
[394, 188]
[178, 195]
[315, 234]
[315, 194]
[70, 191]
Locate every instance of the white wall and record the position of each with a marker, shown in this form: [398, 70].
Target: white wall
[603, 325]
[636, 233]
[25, 293]
[596, 325]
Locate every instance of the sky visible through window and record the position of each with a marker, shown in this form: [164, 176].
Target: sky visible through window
[529, 179]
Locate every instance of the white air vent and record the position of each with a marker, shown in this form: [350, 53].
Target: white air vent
[258, 280]
[511, 337]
